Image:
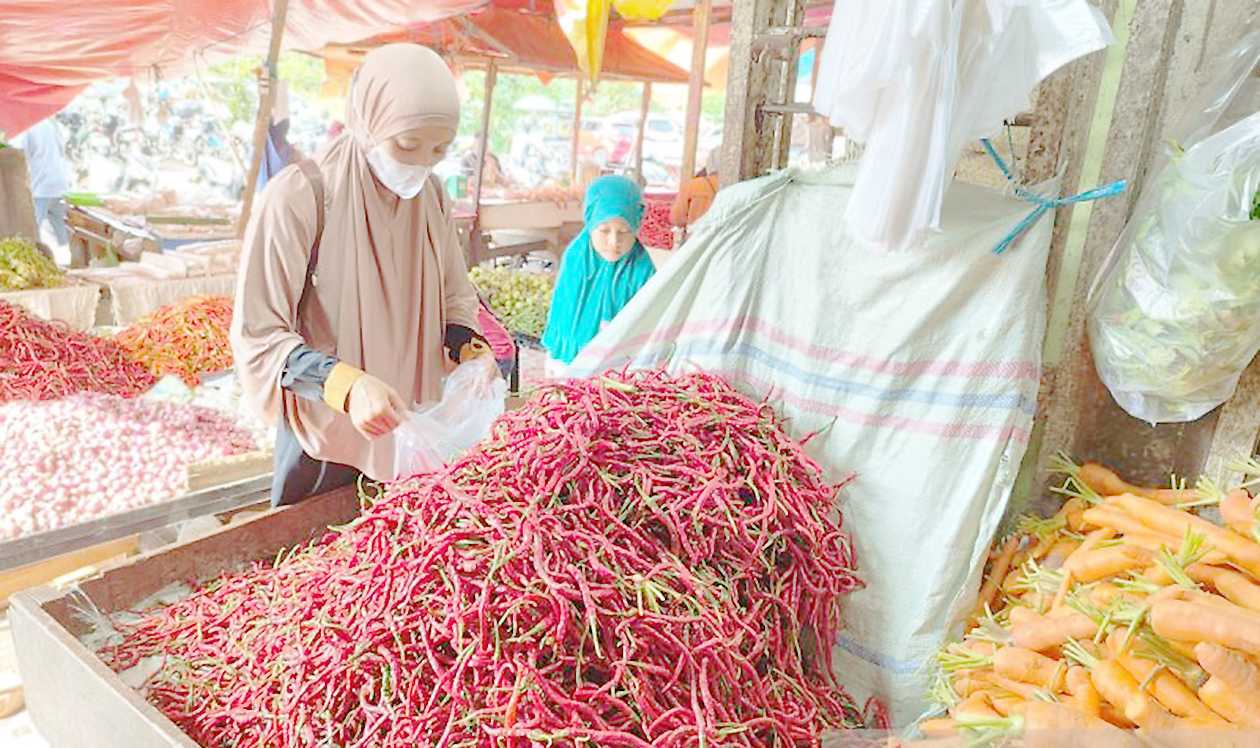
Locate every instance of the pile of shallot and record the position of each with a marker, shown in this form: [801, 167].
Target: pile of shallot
[90, 455]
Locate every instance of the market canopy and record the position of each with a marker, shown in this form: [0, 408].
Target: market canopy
[519, 40]
[50, 50]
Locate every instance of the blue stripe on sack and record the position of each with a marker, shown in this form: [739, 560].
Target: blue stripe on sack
[753, 353]
[882, 661]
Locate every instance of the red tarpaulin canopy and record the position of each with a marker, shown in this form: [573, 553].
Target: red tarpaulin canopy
[525, 41]
[50, 50]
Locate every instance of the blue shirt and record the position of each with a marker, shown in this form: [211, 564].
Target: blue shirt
[45, 159]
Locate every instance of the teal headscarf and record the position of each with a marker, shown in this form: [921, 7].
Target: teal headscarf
[591, 290]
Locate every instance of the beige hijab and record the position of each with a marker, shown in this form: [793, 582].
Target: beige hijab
[390, 273]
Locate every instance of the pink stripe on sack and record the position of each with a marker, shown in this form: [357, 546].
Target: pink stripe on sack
[708, 328]
[949, 430]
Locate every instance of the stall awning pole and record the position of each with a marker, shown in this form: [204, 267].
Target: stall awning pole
[492, 76]
[695, 93]
[643, 115]
[577, 132]
[475, 248]
[278, 13]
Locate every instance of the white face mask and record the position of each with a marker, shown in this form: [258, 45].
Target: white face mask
[404, 180]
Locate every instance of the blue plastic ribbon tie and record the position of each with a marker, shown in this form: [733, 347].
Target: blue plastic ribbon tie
[1041, 204]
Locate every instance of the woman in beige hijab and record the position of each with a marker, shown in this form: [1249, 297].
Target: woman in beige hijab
[347, 311]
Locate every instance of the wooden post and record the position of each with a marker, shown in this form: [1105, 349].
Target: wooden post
[748, 145]
[577, 131]
[643, 115]
[278, 13]
[785, 71]
[17, 209]
[474, 238]
[700, 16]
[492, 77]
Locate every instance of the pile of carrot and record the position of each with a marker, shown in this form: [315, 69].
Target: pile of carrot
[187, 339]
[632, 560]
[42, 360]
[1127, 609]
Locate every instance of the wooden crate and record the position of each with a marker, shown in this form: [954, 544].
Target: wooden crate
[62, 678]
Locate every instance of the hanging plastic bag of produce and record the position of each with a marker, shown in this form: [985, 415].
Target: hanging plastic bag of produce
[585, 24]
[432, 435]
[642, 10]
[1175, 312]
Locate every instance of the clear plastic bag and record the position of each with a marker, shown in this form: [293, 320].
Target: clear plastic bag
[432, 435]
[1175, 313]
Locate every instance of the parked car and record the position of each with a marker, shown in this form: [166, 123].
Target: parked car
[662, 138]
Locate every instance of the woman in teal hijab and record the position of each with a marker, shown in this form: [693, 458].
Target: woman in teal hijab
[602, 269]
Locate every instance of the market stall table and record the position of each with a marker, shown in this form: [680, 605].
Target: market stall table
[128, 293]
[74, 303]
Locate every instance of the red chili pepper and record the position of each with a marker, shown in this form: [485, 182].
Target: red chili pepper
[42, 360]
[188, 339]
[626, 561]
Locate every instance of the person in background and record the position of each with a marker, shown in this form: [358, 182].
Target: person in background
[601, 270]
[50, 181]
[492, 174]
[335, 350]
[696, 195]
[280, 152]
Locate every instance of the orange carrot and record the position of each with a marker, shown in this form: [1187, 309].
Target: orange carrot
[1106, 482]
[1110, 516]
[1103, 594]
[1044, 632]
[997, 575]
[1046, 715]
[1022, 690]
[1084, 696]
[1236, 511]
[1154, 542]
[979, 646]
[1167, 688]
[1106, 562]
[1239, 707]
[941, 727]
[1233, 669]
[1199, 621]
[1234, 586]
[977, 705]
[1021, 614]
[1176, 522]
[1007, 703]
[1059, 553]
[1027, 666]
[1114, 716]
[1073, 512]
[965, 685]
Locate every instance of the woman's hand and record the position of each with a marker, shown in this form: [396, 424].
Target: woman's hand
[375, 408]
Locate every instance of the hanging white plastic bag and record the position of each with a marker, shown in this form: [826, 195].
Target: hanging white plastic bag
[432, 435]
[1175, 313]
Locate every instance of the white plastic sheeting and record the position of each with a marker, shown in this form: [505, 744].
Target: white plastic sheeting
[915, 80]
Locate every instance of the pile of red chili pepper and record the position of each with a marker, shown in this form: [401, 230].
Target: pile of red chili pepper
[188, 338]
[632, 560]
[46, 360]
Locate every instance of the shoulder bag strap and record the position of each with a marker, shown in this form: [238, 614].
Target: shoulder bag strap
[311, 171]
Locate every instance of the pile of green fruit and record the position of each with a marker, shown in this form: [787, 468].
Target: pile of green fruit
[22, 266]
[519, 298]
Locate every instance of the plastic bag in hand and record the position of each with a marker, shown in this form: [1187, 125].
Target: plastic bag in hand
[432, 435]
[1175, 314]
